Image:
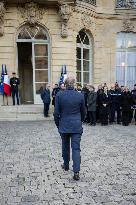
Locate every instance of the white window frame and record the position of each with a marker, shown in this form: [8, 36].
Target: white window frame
[89, 47]
[126, 50]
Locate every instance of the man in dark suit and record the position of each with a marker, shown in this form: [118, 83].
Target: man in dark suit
[69, 114]
[46, 98]
[14, 83]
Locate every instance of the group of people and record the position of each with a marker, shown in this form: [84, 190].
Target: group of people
[105, 106]
[73, 106]
[116, 105]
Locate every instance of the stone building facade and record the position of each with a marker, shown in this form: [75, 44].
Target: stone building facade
[38, 37]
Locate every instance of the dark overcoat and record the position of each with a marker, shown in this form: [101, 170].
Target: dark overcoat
[45, 95]
[92, 101]
[126, 102]
[69, 111]
[54, 93]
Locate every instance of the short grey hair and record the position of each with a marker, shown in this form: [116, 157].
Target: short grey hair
[70, 81]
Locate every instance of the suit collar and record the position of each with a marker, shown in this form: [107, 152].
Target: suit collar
[70, 88]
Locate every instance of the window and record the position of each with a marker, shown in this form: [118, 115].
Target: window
[84, 58]
[36, 32]
[126, 59]
[128, 4]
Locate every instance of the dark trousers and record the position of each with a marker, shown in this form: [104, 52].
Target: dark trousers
[132, 115]
[46, 109]
[87, 118]
[125, 118]
[135, 114]
[113, 109]
[75, 144]
[92, 115]
[15, 93]
[104, 115]
[98, 113]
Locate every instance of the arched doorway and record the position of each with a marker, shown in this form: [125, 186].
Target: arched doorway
[33, 62]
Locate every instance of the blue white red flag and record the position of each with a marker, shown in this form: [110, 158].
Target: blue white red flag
[4, 82]
[63, 74]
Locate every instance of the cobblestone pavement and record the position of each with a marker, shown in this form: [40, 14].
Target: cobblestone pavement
[31, 174]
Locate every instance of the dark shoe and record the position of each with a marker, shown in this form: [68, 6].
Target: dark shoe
[118, 123]
[76, 176]
[65, 167]
[124, 124]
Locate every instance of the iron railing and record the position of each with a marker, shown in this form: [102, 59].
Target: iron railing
[128, 4]
[93, 2]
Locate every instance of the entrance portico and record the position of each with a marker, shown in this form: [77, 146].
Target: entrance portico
[33, 62]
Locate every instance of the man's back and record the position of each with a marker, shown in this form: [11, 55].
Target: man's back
[69, 111]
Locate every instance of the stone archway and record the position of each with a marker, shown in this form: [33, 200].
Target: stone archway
[33, 45]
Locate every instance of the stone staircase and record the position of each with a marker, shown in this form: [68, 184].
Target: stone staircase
[23, 113]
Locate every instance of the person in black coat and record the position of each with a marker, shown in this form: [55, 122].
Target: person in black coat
[104, 106]
[14, 83]
[126, 103]
[56, 89]
[85, 92]
[133, 92]
[99, 92]
[115, 100]
[69, 114]
[91, 103]
[45, 96]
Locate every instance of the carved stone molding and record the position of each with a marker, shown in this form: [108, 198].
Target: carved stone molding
[65, 12]
[31, 12]
[83, 10]
[2, 13]
[78, 22]
[128, 26]
[88, 22]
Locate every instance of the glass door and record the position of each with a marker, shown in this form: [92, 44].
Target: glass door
[40, 69]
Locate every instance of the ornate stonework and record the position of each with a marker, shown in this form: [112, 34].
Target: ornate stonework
[82, 21]
[65, 12]
[128, 26]
[32, 13]
[85, 10]
[2, 12]
[88, 22]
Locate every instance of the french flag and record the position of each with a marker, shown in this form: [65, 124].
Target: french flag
[6, 81]
[63, 74]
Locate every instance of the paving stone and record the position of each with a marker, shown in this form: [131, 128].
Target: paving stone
[31, 174]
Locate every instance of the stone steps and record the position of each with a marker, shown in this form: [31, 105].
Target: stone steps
[23, 113]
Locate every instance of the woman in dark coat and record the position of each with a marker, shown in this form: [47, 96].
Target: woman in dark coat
[104, 106]
[85, 92]
[91, 103]
[56, 89]
[99, 92]
[126, 103]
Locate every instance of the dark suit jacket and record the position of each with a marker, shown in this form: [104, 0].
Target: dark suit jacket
[69, 111]
[45, 95]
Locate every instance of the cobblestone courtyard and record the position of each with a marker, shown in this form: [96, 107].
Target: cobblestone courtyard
[31, 174]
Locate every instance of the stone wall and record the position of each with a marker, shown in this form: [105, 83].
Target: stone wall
[102, 24]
